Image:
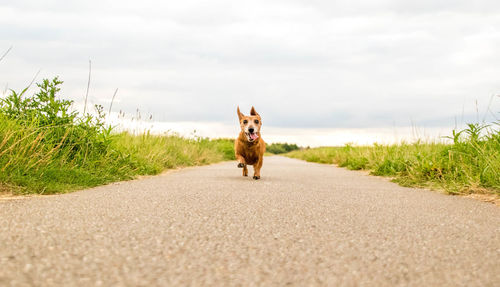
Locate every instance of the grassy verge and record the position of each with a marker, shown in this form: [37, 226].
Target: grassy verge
[470, 165]
[34, 160]
[45, 148]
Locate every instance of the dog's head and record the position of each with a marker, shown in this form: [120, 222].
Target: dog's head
[250, 125]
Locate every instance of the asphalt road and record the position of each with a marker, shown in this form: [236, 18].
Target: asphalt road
[302, 224]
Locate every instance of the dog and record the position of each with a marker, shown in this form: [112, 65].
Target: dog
[249, 147]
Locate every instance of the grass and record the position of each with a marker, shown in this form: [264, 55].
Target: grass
[34, 160]
[471, 164]
[45, 148]
[279, 148]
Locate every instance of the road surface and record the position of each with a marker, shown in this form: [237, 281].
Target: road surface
[302, 224]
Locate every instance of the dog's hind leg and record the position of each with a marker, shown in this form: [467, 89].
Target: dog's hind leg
[245, 170]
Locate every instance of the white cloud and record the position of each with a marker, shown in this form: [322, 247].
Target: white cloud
[323, 64]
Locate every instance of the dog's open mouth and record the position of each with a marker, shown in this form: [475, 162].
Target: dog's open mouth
[252, 136]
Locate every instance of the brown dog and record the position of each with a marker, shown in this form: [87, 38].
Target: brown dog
[249, 146]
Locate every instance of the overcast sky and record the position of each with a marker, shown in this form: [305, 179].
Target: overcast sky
[303, 64]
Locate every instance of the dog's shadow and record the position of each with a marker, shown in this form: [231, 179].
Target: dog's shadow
[249, 178]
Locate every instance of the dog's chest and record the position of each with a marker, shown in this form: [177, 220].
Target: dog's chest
[250, 156]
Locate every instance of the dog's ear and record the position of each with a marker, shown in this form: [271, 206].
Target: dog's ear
[240, 115]
[253, 112]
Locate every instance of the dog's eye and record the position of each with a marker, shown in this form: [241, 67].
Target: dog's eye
[245, 122]
[256, 121]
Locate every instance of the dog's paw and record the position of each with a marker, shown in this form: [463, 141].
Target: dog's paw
[256, 177]
[241, 165]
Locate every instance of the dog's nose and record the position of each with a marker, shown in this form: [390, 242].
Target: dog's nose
[251, 130]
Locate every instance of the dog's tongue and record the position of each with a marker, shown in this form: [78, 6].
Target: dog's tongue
[254, 136]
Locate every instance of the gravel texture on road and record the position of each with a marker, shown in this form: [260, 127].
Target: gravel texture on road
[302, 224]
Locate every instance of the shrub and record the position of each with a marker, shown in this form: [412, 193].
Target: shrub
[42, 109]
[47, 148]
[278, 148]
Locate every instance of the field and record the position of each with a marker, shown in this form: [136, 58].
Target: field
[471, 164]
[45, 148]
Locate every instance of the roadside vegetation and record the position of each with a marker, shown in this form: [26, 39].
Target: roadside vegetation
[279, 148]
[471, 164]
[47, 148]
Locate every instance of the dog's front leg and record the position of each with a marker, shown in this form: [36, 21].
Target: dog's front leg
[242, 164]
[241, 161]
[256, 168]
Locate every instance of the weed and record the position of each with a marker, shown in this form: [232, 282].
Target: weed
[47, 148]
[471, 164]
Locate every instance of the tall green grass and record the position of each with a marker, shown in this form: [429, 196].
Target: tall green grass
[46, 148]
[471, 164]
